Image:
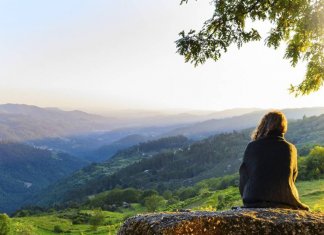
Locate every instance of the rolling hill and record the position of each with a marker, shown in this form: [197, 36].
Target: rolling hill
[104, 152]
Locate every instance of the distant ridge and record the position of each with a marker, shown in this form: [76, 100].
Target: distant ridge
[80, 133]
[19, 122]
[203, 129]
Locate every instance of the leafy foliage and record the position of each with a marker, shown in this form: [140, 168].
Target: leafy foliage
[312, 166]
[298, 23]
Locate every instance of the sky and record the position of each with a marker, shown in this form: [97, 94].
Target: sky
[104, 55]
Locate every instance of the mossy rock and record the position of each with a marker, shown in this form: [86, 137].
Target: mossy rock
[240, 221]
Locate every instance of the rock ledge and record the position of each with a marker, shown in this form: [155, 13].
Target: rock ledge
[241, 221]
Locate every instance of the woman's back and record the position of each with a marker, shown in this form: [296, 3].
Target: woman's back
[268, 173]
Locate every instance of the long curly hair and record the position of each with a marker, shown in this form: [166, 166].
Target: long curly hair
[272, 121]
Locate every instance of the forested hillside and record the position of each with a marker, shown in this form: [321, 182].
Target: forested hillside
[306, 133]
[26, 170]
[216, 156]
[95, 172]
[104, 152]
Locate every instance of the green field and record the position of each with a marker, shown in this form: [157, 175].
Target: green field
[311, 193]
[44, 224]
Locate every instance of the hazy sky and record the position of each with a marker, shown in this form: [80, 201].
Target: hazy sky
[106, 54]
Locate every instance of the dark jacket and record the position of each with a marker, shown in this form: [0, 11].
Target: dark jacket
[268, 173]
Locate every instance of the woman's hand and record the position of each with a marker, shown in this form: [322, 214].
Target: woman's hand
[303, 206]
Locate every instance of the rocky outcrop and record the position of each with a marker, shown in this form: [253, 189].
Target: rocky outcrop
[240, 221]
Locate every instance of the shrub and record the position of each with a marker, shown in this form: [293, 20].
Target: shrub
[221, 204]
[186, 193]
[97, 219]
[153, 202]
[58, 229]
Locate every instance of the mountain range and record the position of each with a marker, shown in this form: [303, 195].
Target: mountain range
[82, 134]
[89, 145]
[55, 143]
[204, 129]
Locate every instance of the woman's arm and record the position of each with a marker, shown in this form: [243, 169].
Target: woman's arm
[294, 163]
[301, 205]
[243, 172]
[243, 178]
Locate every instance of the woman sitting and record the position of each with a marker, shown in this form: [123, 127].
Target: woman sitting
[269, 168]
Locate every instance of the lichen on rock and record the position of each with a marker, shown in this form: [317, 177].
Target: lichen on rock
[241, 221]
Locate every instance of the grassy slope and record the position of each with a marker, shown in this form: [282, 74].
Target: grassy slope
[45, 224]
[311, 193]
